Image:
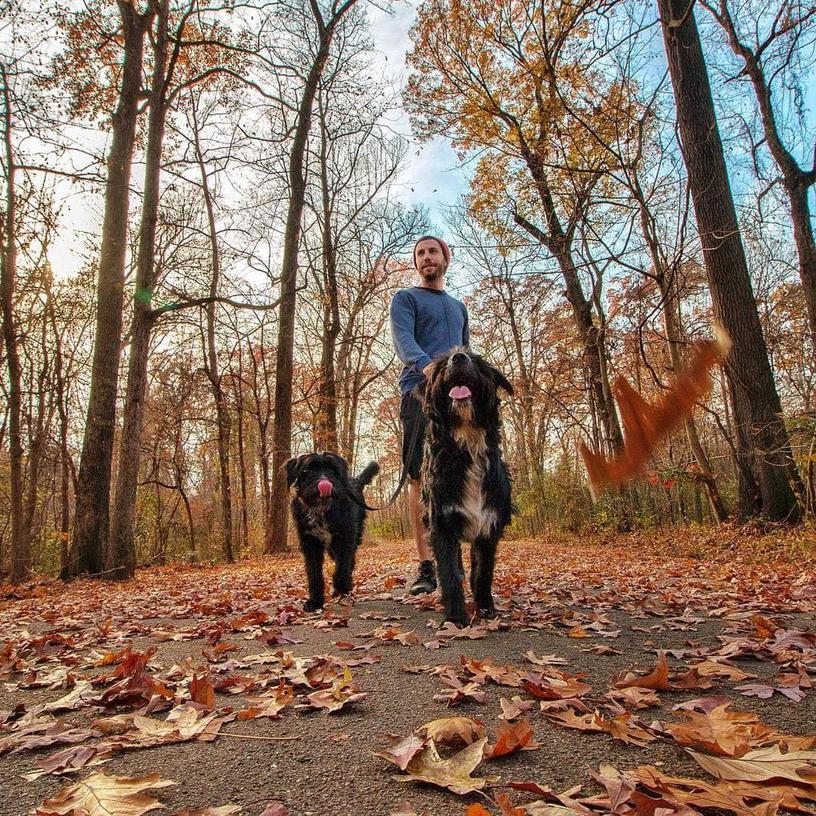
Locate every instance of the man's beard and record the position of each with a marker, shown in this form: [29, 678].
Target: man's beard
[431, 273]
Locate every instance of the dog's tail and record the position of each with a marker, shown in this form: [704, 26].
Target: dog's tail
[368, 473]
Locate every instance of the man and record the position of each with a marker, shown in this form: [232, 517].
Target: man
[425, 322]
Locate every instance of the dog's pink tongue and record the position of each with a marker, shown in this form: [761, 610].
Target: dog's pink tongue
[459, 392]
[324, 488]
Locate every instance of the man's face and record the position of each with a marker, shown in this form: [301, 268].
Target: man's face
[430, 260]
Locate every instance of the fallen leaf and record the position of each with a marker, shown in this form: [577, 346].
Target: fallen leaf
[761, 765]
[453, 773]
[102, 795]
[450, 730]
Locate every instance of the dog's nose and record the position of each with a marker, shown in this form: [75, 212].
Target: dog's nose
[324, 488]
[459, 357]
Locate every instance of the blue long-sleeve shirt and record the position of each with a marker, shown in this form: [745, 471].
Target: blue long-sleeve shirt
[424, 324]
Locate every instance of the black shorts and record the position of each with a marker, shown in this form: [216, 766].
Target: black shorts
[413, 421]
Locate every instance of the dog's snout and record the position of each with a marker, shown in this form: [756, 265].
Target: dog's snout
[459, 357]
[324, 488]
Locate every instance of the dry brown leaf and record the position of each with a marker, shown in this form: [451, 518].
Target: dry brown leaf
[656, 679]
[450, 730]
[512, 737]
[402, 751]
[102, 795]
[722, 732]
[645, 425]
[761, 765]
[453, 773]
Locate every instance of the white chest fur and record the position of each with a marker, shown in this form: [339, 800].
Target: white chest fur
[479, 521]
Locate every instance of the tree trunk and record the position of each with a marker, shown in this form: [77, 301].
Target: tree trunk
[762, 439]
[796, 181]
[558, 242]
[238, 391]
[93, 493]
[62, 408]
[674, 337]
[282, 433]
[327, 394]
[20, 553]
[211, 366]
[122, 551]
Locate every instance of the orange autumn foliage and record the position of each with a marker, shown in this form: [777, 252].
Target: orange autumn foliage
[646, 425]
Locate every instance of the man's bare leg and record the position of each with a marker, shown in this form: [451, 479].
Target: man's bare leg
[415, 511]
[426, 579]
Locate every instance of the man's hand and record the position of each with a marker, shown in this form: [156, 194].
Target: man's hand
[426, 372]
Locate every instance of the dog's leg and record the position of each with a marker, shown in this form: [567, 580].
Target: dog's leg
[313, 555]
[445, 545]
[342, 582]
[482, 561]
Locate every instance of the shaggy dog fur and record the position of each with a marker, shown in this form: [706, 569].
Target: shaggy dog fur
[327, 517]
[465, 483]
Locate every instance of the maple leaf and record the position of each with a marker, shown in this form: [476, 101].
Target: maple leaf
[269, 704]
[512, 737]
[341, 693]
[450, 730]
[202, 692]
[515, 708]
[102, 795]
[760, 765]
[719, 731]
[69, 760]
[544, 660]
[657, 679]
[618, 789]
[635, 697]
[402, 750]
[453, 773]
[458, 691]
[624, 727]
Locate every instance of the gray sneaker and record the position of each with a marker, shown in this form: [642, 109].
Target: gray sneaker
[425, 580]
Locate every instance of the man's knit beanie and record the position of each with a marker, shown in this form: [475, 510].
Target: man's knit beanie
[442, 245]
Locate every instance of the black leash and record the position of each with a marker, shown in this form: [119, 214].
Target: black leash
[403, 476]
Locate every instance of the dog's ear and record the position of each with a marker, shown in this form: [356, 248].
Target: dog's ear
[341, 463]
[500, 380]
[293, 468]
[431, 402]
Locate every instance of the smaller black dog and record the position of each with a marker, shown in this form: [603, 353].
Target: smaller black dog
[327, 517]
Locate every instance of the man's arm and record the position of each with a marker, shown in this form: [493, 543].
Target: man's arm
[466, 329]
[403, 321]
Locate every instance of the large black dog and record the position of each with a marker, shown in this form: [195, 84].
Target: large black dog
[465, 483]
[327, 517]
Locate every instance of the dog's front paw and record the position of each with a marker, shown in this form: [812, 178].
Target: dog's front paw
[312, 606]
[457, 617]
[486, 612]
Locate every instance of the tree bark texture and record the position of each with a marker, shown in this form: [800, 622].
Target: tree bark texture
[91, 520]
[20, 554]
[211, 365]
[121, 555]
[282, 432]
[762, 439]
